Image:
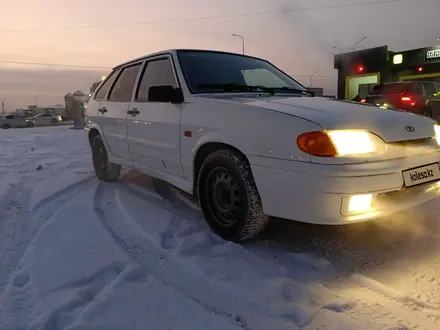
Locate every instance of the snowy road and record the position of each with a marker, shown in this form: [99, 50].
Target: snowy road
[76, 253]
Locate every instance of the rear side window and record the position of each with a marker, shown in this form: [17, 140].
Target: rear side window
[10, 117]
[123, 87]
[393, 88]
[430, 89]
[156, 73]
[418, 89]
[102, 92]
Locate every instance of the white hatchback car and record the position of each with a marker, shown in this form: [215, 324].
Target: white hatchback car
[250, 142]
[47, 119]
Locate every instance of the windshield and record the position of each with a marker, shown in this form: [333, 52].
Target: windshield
[392, 88]
[215, 72]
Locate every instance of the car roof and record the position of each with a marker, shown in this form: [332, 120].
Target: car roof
[174, 51]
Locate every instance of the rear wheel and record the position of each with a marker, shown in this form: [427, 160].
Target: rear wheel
[104, 170]
[6, 126]
[228, 196]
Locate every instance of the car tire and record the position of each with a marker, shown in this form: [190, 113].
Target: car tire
[104, 170]
[427, 112]
[54, 121]
[6, 126]
[229, 198]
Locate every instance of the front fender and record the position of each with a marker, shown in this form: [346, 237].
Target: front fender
[219, 137]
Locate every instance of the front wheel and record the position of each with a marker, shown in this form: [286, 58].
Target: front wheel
[229, 198]
[104, 170]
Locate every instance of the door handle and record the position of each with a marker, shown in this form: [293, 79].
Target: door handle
[133, 112]
[102, 110]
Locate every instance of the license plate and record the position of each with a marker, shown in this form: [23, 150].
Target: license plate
[422, 174]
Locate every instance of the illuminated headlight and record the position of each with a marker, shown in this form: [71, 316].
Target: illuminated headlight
[356, 142]
[437, 133]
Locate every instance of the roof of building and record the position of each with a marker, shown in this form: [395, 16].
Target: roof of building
[78, 93]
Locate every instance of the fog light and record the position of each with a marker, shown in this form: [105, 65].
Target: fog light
[360, 203]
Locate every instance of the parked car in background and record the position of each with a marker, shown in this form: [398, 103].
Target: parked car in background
[420, 97]
[14, 121]
[47, 119]
[251, 142]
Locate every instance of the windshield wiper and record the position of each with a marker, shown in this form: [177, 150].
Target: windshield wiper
[232, 87]
[293, 90]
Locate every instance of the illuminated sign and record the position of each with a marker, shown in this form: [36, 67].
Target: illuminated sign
[397, 59]
[433, 54]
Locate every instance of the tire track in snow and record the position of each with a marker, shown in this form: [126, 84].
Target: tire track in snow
[219, 298]
[377, 292]
[27, 226]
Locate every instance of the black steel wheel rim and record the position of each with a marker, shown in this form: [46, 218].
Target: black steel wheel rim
[100, 160]
[224, 197]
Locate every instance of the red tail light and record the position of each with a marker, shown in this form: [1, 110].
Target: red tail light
[407, 100]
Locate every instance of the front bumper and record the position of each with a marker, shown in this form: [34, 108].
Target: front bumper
[317, 193]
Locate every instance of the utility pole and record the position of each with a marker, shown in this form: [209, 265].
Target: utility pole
[242, 40]
[3, 107]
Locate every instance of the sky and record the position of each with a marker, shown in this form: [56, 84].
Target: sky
[300, 42]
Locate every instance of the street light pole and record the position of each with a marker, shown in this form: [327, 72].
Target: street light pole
[311, 77]
[35, 96]
[242, 40]
[359, 42]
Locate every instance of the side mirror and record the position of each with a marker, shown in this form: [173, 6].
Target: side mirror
[165, 94]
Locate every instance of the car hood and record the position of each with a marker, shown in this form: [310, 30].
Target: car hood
[333, 114]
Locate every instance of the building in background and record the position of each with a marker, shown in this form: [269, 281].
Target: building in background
[69, 100]
[359, 71]
[95, 86]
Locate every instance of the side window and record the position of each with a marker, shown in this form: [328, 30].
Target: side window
[418, 89]
[102, 92]
[156, 73]
[10, 117]
[437, 86]
[123, 87]
[429, 89]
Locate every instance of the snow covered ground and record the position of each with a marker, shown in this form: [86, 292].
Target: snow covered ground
[76, 253]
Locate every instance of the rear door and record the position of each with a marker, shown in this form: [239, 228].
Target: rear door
[153, 130]
[95, 112]
[113, 111]
[432, 99]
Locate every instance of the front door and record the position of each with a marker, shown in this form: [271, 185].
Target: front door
[153, 127]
